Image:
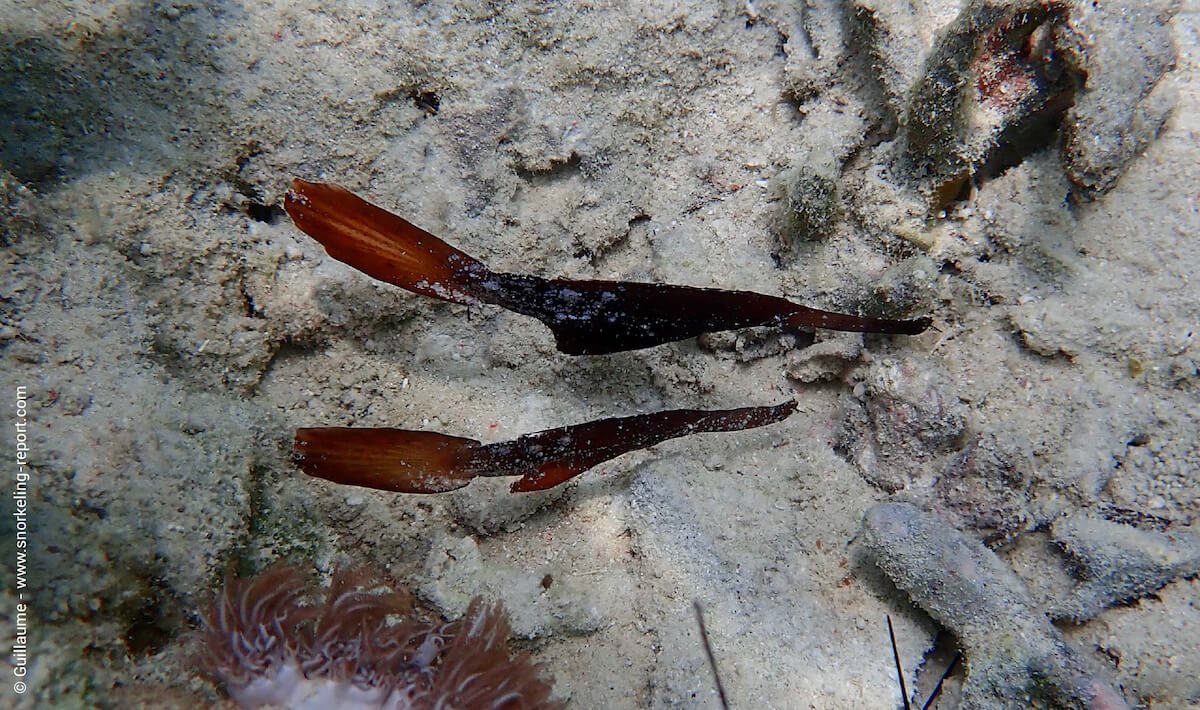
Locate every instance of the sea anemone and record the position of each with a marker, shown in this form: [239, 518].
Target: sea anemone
[272, 642]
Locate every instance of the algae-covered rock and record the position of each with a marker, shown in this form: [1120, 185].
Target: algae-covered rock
[810, 203]
[991, 85]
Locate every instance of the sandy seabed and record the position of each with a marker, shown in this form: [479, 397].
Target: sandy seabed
[171, 329]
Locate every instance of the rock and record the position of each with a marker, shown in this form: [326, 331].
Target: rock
[901, 425]
[1124, 48]
[986, 488]
[991, 86]
[1118, 563]
[827, 358]
[1015, 657]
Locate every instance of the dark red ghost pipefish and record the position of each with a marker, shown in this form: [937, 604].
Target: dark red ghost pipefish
[587, 317]
[428, 462]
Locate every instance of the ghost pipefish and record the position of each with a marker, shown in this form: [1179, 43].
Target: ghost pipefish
[428, 462]
[587, 317]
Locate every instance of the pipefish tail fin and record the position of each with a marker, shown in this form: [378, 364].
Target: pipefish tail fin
[386, 459]
[383, 245]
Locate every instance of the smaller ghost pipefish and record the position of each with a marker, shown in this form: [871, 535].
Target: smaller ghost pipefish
[429, 462]
[587, 317]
